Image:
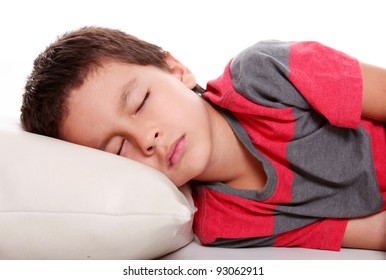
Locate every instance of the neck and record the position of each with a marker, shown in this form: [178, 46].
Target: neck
[230, 161]
[228, 154]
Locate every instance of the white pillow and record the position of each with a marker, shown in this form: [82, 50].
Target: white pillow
[64, 201]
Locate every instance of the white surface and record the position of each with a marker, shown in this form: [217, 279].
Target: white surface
[195, 251]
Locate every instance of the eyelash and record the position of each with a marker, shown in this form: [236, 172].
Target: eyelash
[121, 147]
[143, 102]
[139, 108]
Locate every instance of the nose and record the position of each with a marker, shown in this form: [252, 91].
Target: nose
[148, 142]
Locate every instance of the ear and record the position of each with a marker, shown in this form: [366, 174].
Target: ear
[180, 71]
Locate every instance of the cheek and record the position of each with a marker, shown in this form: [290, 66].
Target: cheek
[199, 156]
[133, 153]
[136, 156]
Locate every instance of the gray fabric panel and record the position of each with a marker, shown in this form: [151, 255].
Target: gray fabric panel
[260, 74]
[334, 172]
[267, 241]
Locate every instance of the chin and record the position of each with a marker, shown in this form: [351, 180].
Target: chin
[180, 183]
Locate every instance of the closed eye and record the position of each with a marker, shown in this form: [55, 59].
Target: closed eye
[143, 102]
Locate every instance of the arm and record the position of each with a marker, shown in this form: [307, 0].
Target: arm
[366, 233]
[374, 92]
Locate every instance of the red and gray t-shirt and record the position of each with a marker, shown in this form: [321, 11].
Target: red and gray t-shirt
[297, 108]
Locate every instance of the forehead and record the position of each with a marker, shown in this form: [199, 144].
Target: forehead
[94, 100]
[112, 74]
[101, 85]
[107, 70]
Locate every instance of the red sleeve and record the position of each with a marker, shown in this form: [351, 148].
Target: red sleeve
[330, 80]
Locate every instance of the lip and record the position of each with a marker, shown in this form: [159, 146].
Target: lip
[176, 152]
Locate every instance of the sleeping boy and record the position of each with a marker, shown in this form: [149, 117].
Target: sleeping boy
[286, 148]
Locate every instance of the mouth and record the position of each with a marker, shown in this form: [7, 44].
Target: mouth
[176, 152]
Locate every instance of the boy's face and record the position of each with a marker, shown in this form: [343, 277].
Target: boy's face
[143, 113]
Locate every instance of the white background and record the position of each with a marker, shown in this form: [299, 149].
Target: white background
[202, 34]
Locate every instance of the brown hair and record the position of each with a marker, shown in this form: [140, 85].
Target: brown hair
[66, 63]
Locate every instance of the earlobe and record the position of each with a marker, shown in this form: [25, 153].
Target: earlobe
[180, 71]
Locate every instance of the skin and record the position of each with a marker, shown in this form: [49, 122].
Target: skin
[151, 116]
[374, 92]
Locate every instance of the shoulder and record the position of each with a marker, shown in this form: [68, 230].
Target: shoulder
[261, 64]
[260, 73]
[261, 55]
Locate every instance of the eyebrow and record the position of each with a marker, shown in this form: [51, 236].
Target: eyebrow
[126, 91]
